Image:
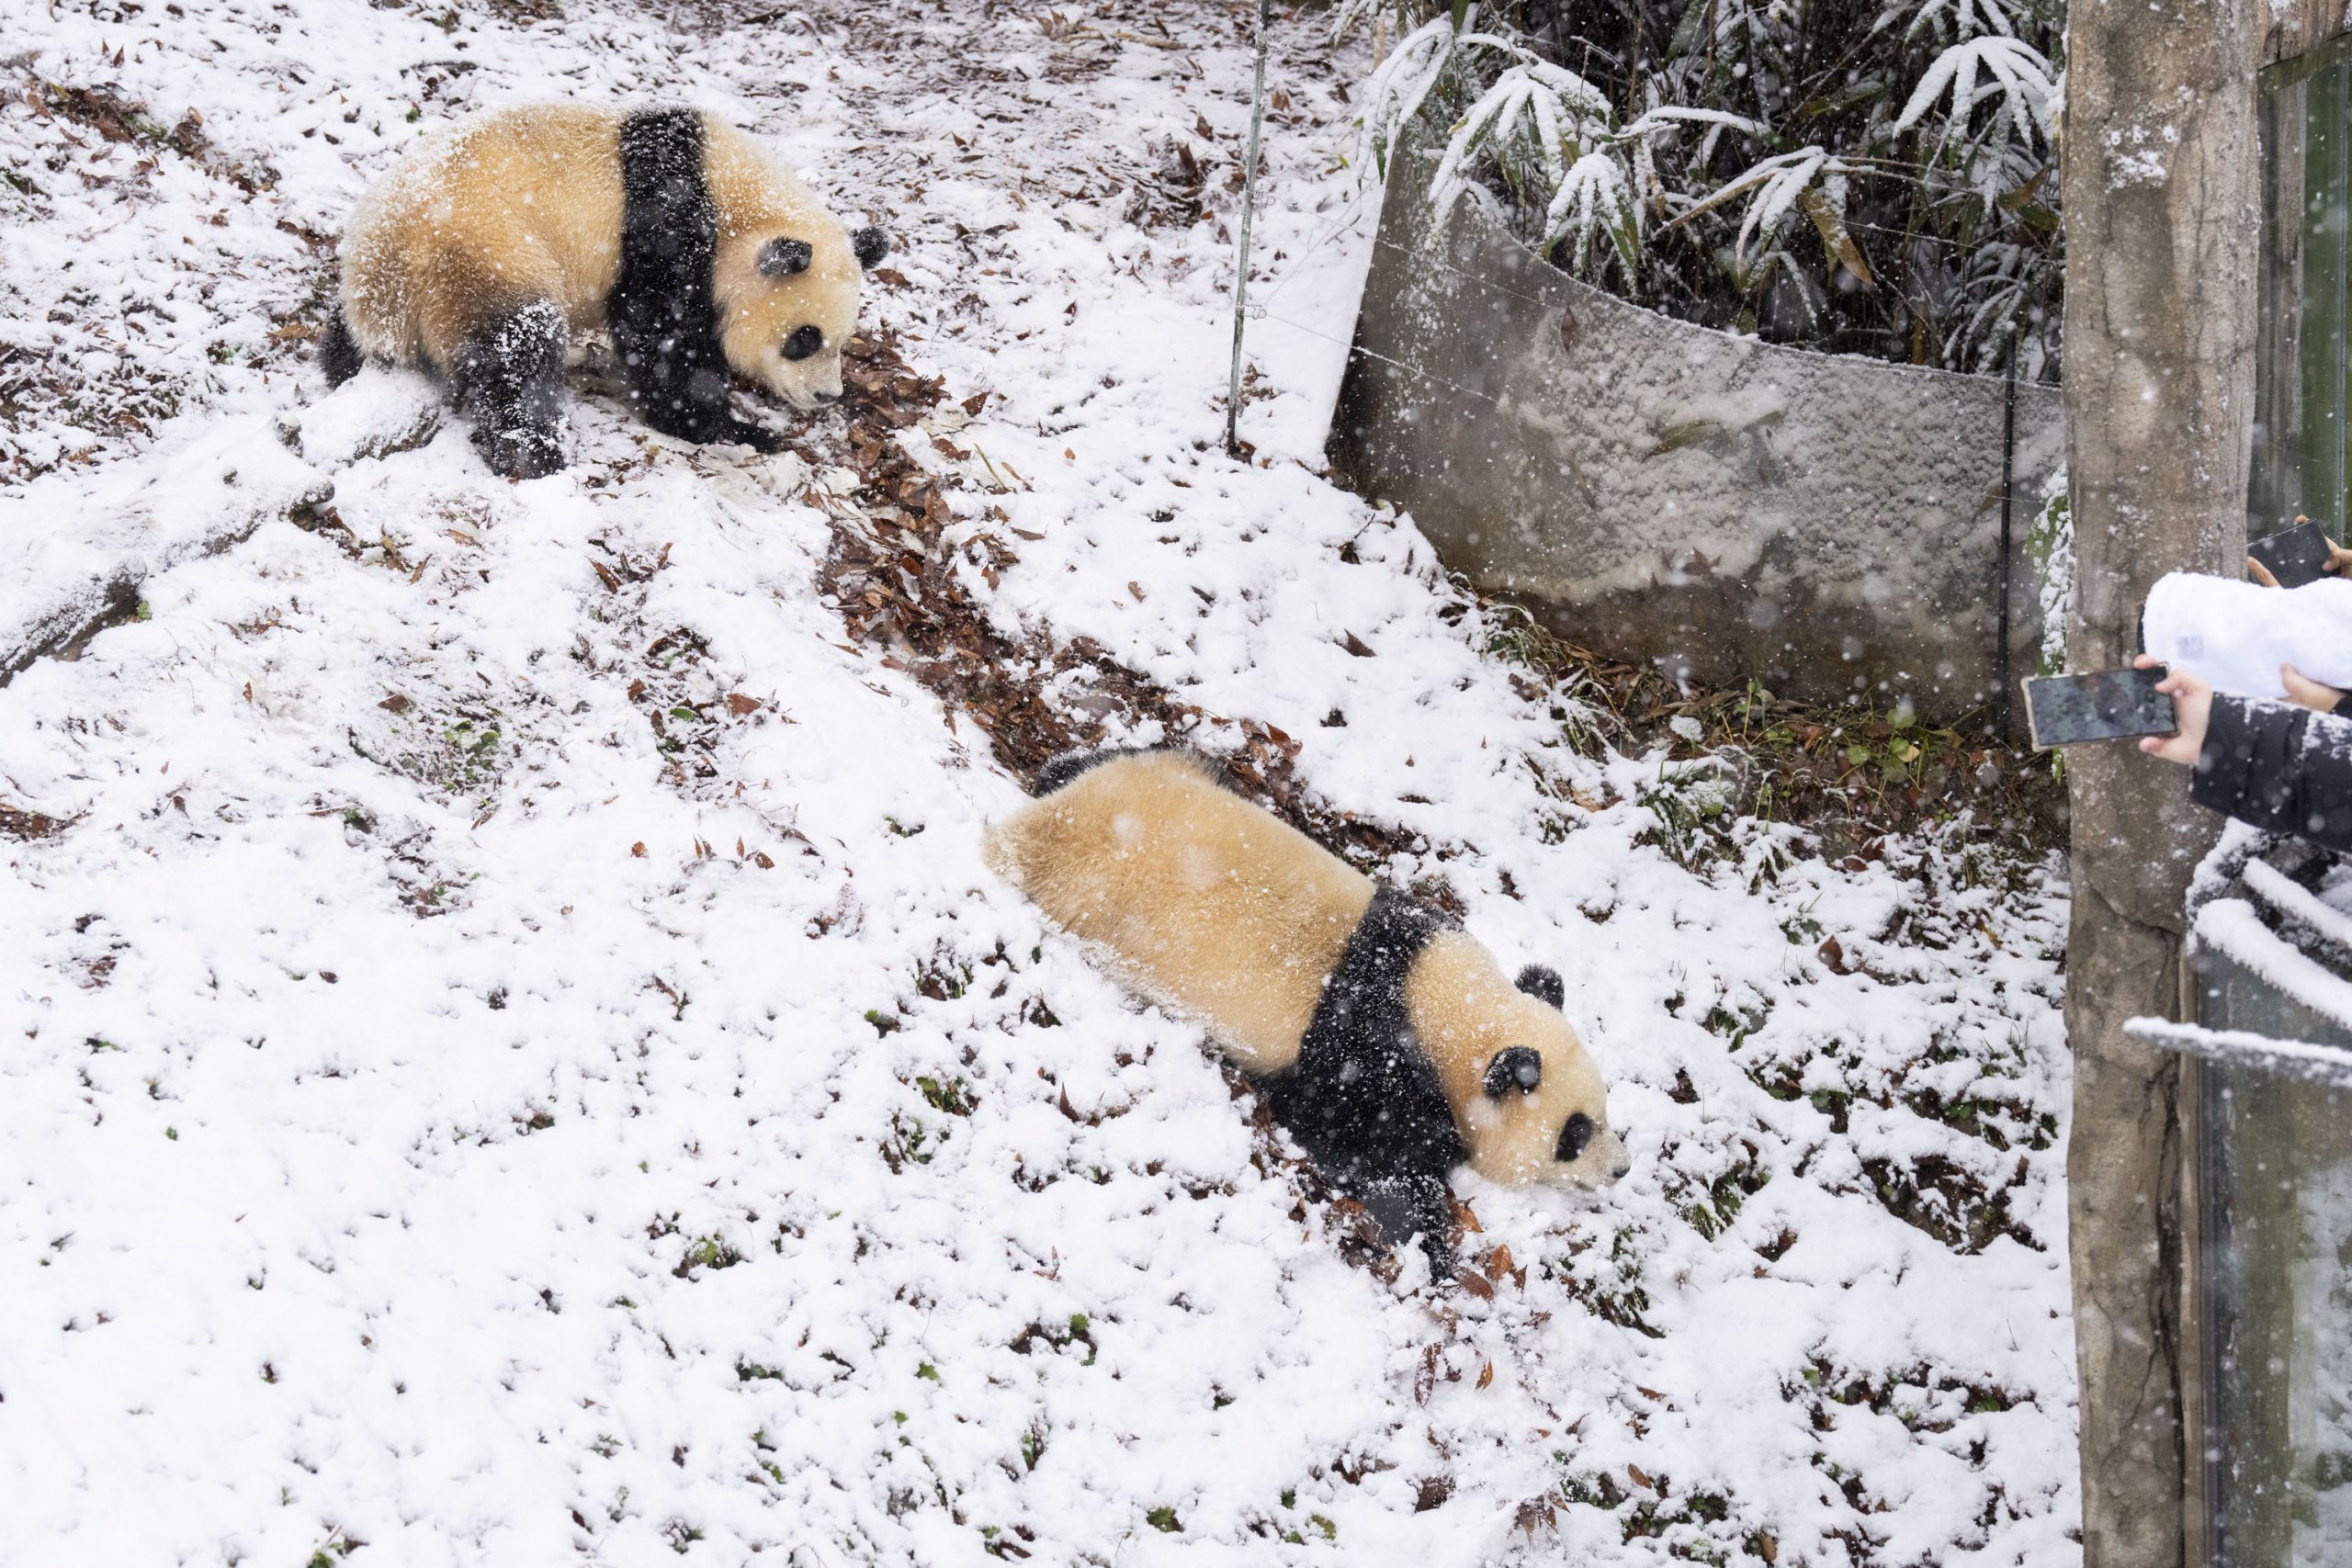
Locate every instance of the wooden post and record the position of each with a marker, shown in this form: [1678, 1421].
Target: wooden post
[2161, 182]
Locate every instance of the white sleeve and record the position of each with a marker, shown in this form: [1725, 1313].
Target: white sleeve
[2235, 634]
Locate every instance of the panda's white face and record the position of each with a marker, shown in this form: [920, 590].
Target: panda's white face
[1530, 1102]
[790, 304]
[1545, 1110]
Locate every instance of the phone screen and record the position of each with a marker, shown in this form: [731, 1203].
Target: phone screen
[2100, 704]
[2295, 556]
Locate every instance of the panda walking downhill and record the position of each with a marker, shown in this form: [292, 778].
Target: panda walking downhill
[492, 244]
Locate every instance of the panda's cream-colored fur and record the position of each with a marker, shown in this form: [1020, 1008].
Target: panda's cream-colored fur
[1201, 900]
[1215, 908]
[525, 204]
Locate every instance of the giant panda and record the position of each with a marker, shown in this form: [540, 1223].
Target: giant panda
[488, 247]
[1384, 1036]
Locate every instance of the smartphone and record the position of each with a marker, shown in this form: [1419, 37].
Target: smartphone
[2295, 556]
[2100, 704]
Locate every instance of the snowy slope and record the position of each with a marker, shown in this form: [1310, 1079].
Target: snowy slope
[511, 1054]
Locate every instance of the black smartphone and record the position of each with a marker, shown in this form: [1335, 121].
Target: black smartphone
[2099, 705]
[2295, 556]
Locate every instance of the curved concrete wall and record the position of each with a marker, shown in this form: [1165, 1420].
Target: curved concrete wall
[1825, 524]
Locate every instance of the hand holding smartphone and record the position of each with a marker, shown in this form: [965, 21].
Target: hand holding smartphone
[2098, 704]
[2292, 556]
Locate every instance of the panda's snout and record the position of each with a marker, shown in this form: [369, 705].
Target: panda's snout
[826, 397]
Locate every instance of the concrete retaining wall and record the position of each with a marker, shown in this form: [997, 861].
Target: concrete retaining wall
[1825, 524]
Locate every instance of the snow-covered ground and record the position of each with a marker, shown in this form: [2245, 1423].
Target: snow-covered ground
[510, 1053]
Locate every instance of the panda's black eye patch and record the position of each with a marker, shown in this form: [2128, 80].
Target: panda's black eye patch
[1574, 1137]
[804, 342]
[1519, 1067]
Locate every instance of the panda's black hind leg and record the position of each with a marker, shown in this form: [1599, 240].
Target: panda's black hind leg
[339, 355]
[509, 378]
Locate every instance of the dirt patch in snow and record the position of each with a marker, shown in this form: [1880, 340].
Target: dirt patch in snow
[897, 581]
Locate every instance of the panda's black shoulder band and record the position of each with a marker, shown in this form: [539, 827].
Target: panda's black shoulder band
[663, 315]
[1072, 765]
[1364, 1097]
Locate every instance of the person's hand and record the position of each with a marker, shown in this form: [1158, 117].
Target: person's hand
[2192, 706]
[2302, 689]
[2339, 561]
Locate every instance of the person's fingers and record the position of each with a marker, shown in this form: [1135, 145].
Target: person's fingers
[2339, 559]
[2261, 572]
[2152, 744]
[2143, 662]
[2311, 694]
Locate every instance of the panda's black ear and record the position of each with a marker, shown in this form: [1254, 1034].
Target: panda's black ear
[871, 245]
[1516, 1069]
[781, 257]
[1544, 985]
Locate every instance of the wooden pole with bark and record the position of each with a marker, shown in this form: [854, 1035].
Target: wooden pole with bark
[2161, 184]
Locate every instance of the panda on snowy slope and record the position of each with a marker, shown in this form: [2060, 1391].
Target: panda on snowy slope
[491, 243]
[1384, 1036]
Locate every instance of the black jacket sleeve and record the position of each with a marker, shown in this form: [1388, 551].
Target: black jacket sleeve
[2281, 768]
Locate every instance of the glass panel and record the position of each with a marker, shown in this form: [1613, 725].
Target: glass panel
[2302, 441]
[2323, 294]
[2276, 1274]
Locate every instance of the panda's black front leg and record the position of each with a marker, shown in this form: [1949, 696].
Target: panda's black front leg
[681, 389]
[1409, 1204]
[509, 377]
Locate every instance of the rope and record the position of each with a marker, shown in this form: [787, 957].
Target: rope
[1370, 354]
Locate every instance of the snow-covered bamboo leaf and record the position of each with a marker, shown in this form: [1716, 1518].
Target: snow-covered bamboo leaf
[1834, 236]
[2018, 74]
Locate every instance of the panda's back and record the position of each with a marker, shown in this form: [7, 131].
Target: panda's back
[519, 203]
[1204, 901]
